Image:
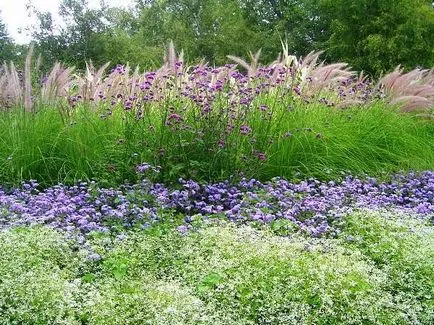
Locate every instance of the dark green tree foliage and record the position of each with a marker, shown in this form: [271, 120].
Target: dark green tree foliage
[209, 29]
[371, 35]
[78, 40]
[7, 48]
[83, 27]
[299, 22]
[377, 35]
[48, 44]
[122, 42]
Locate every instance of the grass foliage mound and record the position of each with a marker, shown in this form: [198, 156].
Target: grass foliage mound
[293, 117]
[306, 141]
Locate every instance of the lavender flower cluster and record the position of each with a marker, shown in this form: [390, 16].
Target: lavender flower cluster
[312, 206]
[76, 210]
[206, 87]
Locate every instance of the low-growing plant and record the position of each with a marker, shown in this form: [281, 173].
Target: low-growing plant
[37, 269]
[402, 247]
[379, 271]
[257, 278]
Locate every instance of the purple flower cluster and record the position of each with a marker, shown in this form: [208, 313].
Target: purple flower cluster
[355, 88]
[312, 206]
[205, 87]
[75, 209]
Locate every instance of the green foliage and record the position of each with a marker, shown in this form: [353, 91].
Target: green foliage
[145, 301]
[54, 150]
[203, 29]
[78, 40]
[255, 277]
[358, 140]
[376, 36]
[8, 50]
[300, 23]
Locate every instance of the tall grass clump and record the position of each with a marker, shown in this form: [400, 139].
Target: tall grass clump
[211, 123]
[44, 147]
[308, 140]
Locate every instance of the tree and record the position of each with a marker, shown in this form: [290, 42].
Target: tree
[78, 40]
[299, 22]
[123, 42]
[371, 35]
[377, 35]
[208, 29]
[7, 48]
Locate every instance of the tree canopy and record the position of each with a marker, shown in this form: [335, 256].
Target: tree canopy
[7, 50]
[377, 35]
[370, 35]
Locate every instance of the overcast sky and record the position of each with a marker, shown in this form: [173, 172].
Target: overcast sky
[13, 13]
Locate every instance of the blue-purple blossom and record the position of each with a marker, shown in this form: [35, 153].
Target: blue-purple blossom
[245, 129]
[143, 167]
[313, 207]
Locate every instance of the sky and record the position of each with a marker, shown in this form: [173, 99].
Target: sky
[13, 14]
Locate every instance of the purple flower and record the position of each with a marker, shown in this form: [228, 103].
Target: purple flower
[262, 156]
[245, 129]
[314, 207]
[221, 143]
[142, 168]
[182, 229]
[128, 104]
[175, 117]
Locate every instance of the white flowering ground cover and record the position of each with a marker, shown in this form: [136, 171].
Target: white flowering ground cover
[378, 270]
